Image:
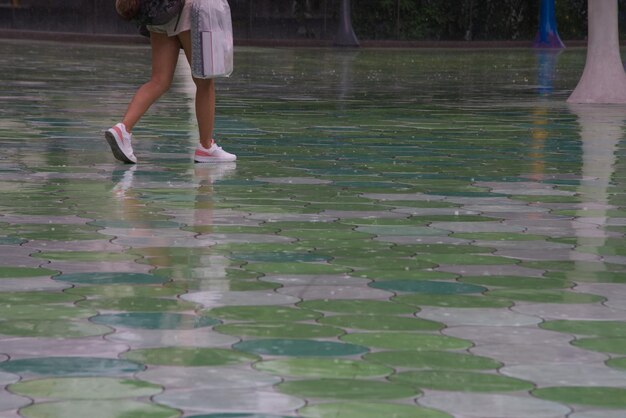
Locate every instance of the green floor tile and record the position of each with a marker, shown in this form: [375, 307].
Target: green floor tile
[125, 291]
[357, 306]
[381, 323]
[384, 224]
[110, 278]
[406, 341]
[18, 272]
[85, 388]
[575, 267]
[597, 396]
[279, 330]
[518, 282]
[172, 251]
[545, 296]
[293, 227]
[154, 320]
[593, 328]
[618, 363]
[448, 380]
[442, 249]
[295, 268]
[452, 301]
[352, 249]
[323, 368]
[382, 263]
[135, 224]
[137, 304]
[401, 230]
[346, 389]
[589, 276]
[498, 236]
[188, 356]
[237, 415]
[71, 366]
[281, 257]
[613, 345]
[84, 256]
[369, 410]
[180, 273]
[60, 328]
[464, 259]
[33, 298]
[404, 274]
[12, 312]
[327, 234]
[300, 348]
[56, 232]
[98, 409]
[427, 287]
[432, 360]
[11, 241]
[548, 199]
[263, 313]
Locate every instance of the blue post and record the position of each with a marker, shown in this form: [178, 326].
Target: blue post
[345, 33]
[547, 35]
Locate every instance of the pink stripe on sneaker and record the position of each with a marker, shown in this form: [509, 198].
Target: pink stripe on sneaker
[201, 153]
[119, 132]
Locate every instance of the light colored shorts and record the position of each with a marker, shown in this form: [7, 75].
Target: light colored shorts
[176, 25]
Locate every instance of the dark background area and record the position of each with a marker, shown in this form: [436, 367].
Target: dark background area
[410, 20]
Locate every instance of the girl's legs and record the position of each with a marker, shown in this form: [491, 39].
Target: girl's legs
[165, 51]
[205, 97]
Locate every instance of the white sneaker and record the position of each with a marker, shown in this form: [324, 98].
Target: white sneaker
[213, 154]
[120, 142]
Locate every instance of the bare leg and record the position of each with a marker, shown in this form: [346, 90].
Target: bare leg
[205, 97]
[165, 51]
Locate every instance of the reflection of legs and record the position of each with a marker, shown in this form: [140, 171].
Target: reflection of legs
[165, 51]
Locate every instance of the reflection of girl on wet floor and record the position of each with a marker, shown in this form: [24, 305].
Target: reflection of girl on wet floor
[166, 41]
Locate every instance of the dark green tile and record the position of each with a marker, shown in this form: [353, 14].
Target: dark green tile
[406, 341]
[71, 366]
[299, 348]
[381, 323]
[357, 306]
[597, 396]
[593, 328]
[323, 368]
[428, 287]
[154, 320]
[363, 409]
[432, 360]
[279, 330]
[613, 345]
[346, 389]
[7, 272]
[462, 381]
[110, 278]
[453, 301]
[189, 356]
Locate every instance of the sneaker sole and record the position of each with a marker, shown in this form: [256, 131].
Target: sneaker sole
[215, 161]
[115, 148]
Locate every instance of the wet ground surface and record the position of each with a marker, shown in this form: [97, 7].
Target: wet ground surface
[405, 234]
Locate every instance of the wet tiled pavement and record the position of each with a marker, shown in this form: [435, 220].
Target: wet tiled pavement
[405, 234]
